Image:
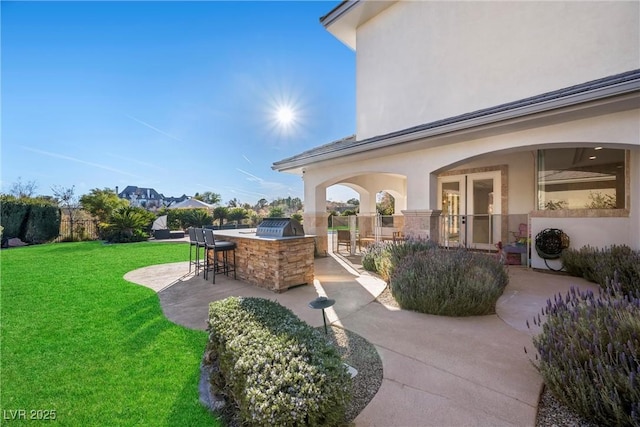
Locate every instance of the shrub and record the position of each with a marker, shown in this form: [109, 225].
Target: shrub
[43, 224]
[128, 224]
[33, 220]
[589, 351]
[448, 282]
[382, 257]
[276, 368]
[371, 254]
[600, 265]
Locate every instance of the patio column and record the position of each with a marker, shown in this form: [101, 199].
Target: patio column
[422, 224]
[316, 223]
[315, 215]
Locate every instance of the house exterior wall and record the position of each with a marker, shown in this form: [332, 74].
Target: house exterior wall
[516, 149]
[597, 232]
[521, 178]
[418, 62]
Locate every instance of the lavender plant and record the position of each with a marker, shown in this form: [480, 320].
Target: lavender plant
[448, 282]
[383, 257]
[599, 265]
[589, 353]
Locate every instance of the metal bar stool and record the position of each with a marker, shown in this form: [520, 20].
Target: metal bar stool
[193, 243]
[218, 247]
[200, 243]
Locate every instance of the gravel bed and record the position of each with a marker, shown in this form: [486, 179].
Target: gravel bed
[363, 356]
[553, 413]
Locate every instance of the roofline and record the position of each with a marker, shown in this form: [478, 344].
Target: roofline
[595, 90]
[335, 13]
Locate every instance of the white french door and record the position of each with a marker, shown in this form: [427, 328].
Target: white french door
[471, 207]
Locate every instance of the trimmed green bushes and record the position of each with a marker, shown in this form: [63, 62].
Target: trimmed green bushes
[30, 220]
[600, 265]
[589, 351]
[277, 369]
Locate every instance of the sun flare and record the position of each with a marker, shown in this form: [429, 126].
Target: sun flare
[285, 116]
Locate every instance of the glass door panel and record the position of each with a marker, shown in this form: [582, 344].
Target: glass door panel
[452, 203]
[471, 206]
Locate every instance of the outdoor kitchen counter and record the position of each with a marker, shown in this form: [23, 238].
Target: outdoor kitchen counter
[275, 263]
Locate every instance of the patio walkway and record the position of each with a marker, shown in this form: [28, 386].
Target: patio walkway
[438, 371]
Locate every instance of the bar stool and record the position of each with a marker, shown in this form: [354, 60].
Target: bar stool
[220, 246]
[200, 243]
[193, 243]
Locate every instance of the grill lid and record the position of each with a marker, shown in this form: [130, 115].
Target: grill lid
[279, 227]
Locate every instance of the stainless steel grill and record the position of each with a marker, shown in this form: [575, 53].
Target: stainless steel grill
[279, 227]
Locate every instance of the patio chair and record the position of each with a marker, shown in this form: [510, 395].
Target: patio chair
[344, 238]
[214, 263]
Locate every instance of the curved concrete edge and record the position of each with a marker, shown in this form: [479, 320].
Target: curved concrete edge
[527, 293]
[437, 370]
[185, 297]
[160, 276]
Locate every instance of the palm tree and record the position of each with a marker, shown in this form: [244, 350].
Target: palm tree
[220, 213]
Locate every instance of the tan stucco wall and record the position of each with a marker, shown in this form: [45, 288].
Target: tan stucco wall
[420, 61]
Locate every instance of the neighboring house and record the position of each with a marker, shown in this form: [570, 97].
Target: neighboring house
[147, 198]
[481, 116]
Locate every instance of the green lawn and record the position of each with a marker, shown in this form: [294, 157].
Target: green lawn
[79, 340]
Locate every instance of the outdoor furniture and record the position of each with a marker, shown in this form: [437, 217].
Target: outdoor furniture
[200, 242]
[162, 234]
[193, 243]
[213, 262]
[516, 251]
[344, 238]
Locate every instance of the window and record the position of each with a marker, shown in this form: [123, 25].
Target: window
[581, 178]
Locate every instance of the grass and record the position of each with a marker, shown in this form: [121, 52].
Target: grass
[78, 339]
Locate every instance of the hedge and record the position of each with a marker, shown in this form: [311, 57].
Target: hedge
[29, 220]
[277, 369]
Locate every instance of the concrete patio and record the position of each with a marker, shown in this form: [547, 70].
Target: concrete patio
[438, 371]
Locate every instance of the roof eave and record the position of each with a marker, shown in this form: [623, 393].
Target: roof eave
[344, 20]
[409, 135]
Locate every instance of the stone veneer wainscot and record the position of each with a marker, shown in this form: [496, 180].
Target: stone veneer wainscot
[276, 264]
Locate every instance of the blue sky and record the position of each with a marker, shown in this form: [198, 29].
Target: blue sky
[178, 96]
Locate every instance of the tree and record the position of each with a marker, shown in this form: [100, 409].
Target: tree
[101, 203]
[237, 214]
[220, 213]
[233, 203]
[128, 224]
[196, 218]
[276, 212]
[261, 204]
[354, 202]
[68, 201]
[23, 190]
[386, 205]
[208, 197]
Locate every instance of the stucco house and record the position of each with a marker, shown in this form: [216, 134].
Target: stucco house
[481, 116]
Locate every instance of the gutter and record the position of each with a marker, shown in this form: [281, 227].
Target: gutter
[338, 11]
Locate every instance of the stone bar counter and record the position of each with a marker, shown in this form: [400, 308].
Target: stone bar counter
[275, 263]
